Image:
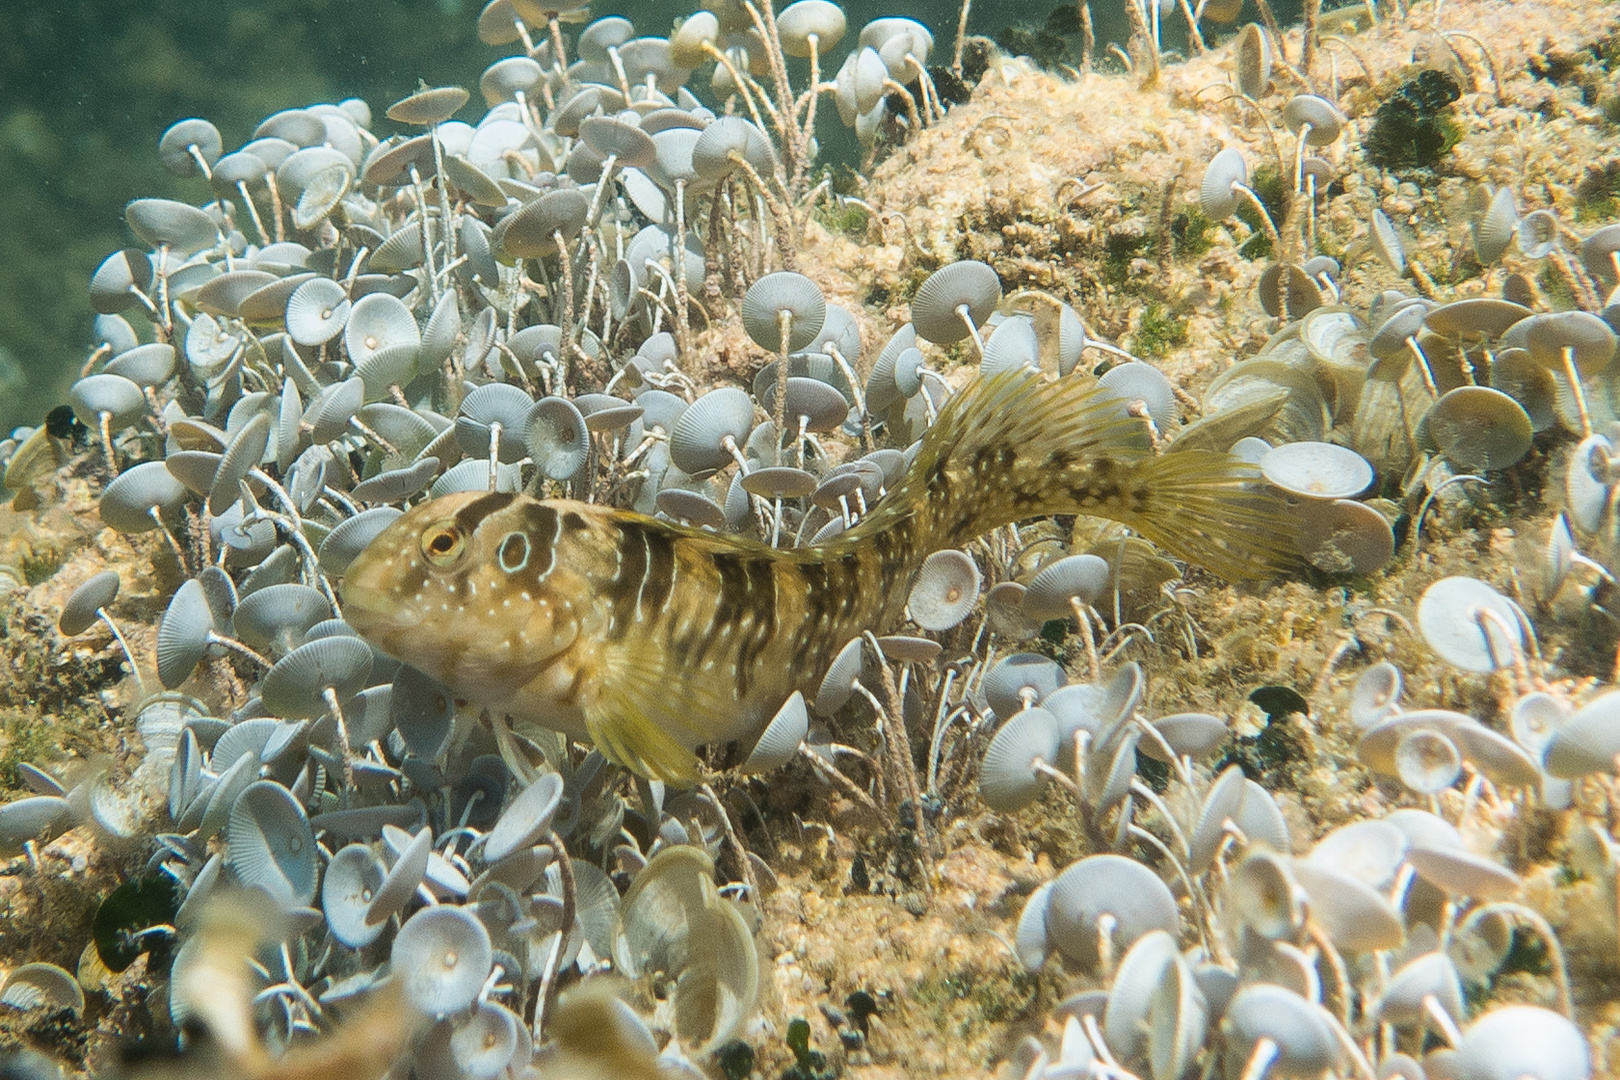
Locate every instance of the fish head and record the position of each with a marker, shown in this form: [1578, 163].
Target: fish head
[467, 588]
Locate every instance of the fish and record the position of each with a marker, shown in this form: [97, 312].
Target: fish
[650, 639]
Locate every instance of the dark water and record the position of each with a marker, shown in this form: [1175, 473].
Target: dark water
[88, 86]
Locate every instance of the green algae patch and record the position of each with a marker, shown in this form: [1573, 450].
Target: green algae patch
[1192, 234]
[23, 738]
[1161, 330]
[847, 218]
[967, 1001]
[1597, 196]
[1414, 127]
[1267, 183]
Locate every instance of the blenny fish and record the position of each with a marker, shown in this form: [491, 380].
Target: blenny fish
[651, 639]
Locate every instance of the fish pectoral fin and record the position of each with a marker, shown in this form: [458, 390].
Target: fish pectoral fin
[646, 715]
[626, 735]
[630, 720]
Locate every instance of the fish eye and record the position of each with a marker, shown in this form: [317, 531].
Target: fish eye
[443, 544]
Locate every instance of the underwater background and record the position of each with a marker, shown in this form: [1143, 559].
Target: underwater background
[87, 86]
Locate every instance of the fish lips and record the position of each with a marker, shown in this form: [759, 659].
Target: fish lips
[374, 612]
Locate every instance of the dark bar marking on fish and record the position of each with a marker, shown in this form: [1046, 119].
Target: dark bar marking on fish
[894, 548]
[629, 579]
[814, 624]
[541, 523]
[412, 580]
[761, 618]
[834, 599]
[732, 600]
[1098, 484]
[994, 459]
[475, 512]
[687, 632]
[658, 583]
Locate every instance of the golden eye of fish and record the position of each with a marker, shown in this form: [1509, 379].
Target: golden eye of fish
[443, 544]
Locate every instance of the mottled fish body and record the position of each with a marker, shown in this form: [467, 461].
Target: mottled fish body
[651, 639]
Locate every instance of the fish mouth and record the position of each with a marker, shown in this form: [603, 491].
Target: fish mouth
[373, 612]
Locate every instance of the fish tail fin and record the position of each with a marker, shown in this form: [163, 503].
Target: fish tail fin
[1215, 510]
[1020, 445]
